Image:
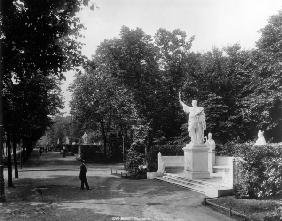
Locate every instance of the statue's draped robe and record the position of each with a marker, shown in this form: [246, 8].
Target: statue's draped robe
[85, 138]
[196, 123]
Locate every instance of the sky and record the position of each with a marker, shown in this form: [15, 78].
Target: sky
[215, 23]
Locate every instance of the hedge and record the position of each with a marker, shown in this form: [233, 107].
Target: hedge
[259, 172]
[274, 216]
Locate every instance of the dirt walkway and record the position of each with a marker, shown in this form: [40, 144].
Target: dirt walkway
[48, 189]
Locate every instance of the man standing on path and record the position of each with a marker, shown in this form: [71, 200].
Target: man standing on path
[82, 175]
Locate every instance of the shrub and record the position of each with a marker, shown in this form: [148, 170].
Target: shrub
[225, 150]
[259, 170]
[134, 160]
[138, 147]
[231, 148]
[165, 150]
[274, 216]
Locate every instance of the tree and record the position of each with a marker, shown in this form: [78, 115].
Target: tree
[174, 62]
[134, 63]
[60, 129]
[34, 61]
[264, 105]
[218, 80]
[101, 104]
[130, 60]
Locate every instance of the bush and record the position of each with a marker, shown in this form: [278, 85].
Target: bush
[225, 149]
[274, 216]
[259, 171]
[134, 160]
[231, 148]
[138, 147]
[165, 150]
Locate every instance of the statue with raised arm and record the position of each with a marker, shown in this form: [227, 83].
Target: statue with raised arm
[196, 122]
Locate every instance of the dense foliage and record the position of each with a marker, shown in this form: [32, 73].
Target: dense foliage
[38, 44]
[259, 170]
[131, 87]
[134, 161]
[274, 216]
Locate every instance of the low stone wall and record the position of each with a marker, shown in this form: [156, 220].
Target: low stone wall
[224, 161]
[169, 162]
[211, 160]
[220, 164]
[224, 166]
[173, 161]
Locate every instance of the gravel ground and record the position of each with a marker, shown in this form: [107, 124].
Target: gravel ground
[48, 189]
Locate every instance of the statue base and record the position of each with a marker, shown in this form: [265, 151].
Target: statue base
[196, 161]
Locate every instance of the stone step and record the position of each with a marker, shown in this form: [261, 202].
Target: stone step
[200, 182]
[202, 186]
[192, 183]
[190, 187]
[185, 182]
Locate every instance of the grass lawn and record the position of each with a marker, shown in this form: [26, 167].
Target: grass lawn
[253, 208]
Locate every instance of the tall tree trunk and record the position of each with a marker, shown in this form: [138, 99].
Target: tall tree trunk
[104, 138]
[9, 163]
[24, 153]
[15, 157]
[21, 156]
[148, 147]
[2, 182]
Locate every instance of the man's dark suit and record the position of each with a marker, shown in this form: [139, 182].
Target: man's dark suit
[82, 176]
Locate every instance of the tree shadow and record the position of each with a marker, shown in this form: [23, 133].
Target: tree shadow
[58, 188]
[59, 196]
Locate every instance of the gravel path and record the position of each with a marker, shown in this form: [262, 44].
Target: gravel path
[48, 189]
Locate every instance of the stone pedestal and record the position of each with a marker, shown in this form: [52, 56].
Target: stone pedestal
[161, 165]
[185, 149]
[196, 161]
[211, 160]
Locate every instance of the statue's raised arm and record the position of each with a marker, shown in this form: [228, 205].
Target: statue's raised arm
[186, 108]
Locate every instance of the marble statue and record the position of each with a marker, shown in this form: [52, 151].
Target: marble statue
[261, 140]
[85, 138]
[211, 152]
[67, 140]
[210, 142]
[196, 122]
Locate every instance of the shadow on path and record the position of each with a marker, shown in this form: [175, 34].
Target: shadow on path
[48, 189]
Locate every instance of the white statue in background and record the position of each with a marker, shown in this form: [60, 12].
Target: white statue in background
[67, 140]
[85, 138]
[196, 122]
[210, 142]
[261, 140]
